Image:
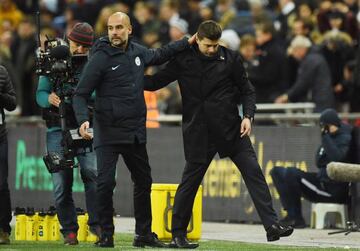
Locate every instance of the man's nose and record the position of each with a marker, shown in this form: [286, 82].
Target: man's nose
[81, 49]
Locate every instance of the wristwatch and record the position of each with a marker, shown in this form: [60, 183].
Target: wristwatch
[249, 117]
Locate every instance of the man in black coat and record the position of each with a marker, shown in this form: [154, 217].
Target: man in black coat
[213, 82]
[116, 72]
[8, 102]
[268, 78]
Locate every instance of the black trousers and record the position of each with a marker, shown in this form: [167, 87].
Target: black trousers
[5, 205]
[245, 159]
[136, 159]
[292, 184]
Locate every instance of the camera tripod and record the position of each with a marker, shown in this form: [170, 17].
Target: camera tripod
[351, 227]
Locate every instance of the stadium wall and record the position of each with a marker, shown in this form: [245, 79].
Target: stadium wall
[225, 197]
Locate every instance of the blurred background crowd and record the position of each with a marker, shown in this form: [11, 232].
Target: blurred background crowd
[262, 30]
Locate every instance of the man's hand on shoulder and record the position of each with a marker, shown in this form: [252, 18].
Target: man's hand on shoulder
[192, 39]
[83, 131]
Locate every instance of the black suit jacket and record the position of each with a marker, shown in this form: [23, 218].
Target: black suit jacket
[211, 88]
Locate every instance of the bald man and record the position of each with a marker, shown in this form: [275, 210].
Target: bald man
[116, 71]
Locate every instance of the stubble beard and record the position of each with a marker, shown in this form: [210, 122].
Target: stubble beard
[118, 42]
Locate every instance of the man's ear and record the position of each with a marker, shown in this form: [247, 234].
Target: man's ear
[130, 29]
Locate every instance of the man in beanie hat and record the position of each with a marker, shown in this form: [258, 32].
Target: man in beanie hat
[80, 40]
[293, 183]
[329, 117]
[82, 34]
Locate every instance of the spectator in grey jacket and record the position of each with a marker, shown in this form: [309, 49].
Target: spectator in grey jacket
[313, 81]
[8, 102]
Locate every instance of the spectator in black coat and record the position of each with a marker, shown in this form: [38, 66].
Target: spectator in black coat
[270, 78]
[23, 49]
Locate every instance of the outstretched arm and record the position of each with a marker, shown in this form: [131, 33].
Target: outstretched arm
[163, 77]
[161, 55]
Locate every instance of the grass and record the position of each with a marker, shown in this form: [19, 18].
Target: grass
[124, 242]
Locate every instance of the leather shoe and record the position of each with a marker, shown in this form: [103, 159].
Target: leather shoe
[105, 242]
[150, 240]
[182, 242]
[275, 231]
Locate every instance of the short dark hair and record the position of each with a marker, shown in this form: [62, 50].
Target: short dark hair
[265, 27]
[210, 30]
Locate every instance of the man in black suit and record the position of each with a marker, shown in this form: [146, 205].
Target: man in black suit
[213, 82]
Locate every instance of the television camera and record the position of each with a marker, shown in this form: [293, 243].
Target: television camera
[62, 68]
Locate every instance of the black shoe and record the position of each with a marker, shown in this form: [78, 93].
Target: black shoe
[150, 240]
[295, 223]
[182, 242]
[276, 231]
[105, 242]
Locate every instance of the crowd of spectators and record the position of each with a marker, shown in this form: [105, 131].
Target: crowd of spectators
[294, 50]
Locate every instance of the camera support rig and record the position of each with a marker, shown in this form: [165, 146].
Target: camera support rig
[52, 160]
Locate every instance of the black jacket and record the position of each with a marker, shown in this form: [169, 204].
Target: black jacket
[211, 88]
[7, 98]
[117, 77]
[268, 78]
[334, 147]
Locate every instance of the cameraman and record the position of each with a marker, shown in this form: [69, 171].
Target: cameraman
[8, 102]
[80, 40]
[293, 183]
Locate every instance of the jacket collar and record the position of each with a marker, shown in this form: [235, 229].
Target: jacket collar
[220, 54]
[103, 44]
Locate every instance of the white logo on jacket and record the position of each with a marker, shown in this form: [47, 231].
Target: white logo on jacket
[137, 61]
